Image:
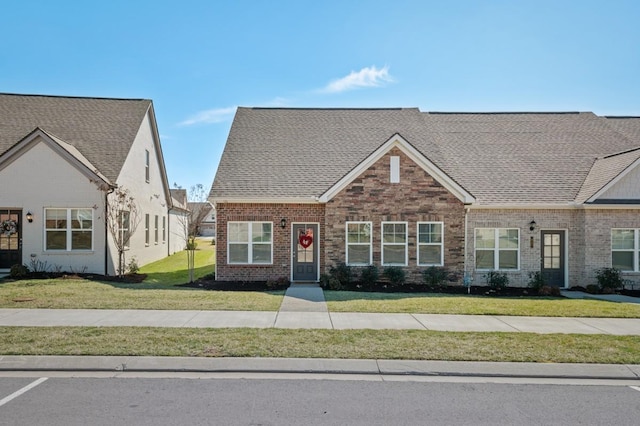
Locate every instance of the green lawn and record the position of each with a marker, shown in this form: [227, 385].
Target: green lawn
[429, 303]
[358, 344]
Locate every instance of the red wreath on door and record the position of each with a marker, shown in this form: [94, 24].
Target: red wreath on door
[305, 239]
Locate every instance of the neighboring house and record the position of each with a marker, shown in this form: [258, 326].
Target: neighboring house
[300, 190]
[60, 159]
[203, 218]
[178, 221]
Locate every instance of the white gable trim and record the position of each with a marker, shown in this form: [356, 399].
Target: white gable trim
[66, 151]
[614, 181]
[397, 141]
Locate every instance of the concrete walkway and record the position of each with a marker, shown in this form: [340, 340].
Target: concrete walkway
[304, 307]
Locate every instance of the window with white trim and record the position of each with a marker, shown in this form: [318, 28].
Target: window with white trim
[250, 243]
[164, 229]
[146, 229]
[394, 243]
[124, 228]
[497, 248]
[358, 243]
[430, 243]
[395, 169]
[146, 165]
[155, 230]
[625, 249]
[68, 229]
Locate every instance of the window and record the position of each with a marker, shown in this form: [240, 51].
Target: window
[164, 229]
[146, 165]
[155, 230]
[358, 243]
[430, 244]
[124, 224]
[497, 248]
[68, 229]
[394, 243]
[146, 229]
[249, 242]
[625, 249]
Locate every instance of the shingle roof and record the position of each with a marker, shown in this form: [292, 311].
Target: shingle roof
[101, 129]
[501, 158]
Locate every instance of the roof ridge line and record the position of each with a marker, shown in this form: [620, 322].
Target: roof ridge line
[71, 97]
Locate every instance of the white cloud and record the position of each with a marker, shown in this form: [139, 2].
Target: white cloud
[217, 115]
[366, 77]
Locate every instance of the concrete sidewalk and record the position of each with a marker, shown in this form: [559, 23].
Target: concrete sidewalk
[319, 320]
[122, 364]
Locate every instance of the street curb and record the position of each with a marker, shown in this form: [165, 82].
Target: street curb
[121, 364]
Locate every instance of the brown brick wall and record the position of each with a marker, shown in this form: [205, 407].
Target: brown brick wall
[281, 267]
[417, 198]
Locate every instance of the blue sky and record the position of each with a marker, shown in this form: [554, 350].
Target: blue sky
[200, 59]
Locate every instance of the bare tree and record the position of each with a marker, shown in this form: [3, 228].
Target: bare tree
[197, 193]
[122, 220]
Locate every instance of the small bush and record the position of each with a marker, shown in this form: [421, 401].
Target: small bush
[593, 289]
[18, 271]
[342, 273]
[395, 275]
[435, 276]
[497, 280]
[277, 283]
[609, 279]
[132, 266]
[369, 275]
[536, 281]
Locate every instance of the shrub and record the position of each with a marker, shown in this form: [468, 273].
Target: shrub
[18, 271]
[496, 280]
[609, 279]
[395, 275]
[342, 273]
[435, 276]
[593, 289]
[132, 266]
[369, 275]
[277, 283]
[536, 281]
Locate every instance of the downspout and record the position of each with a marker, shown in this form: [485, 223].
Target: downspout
[106, 228]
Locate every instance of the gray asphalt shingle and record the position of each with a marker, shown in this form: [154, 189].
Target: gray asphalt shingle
[501, 158]
[101, 129]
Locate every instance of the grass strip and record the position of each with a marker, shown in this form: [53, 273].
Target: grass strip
[85, 294]
[354, 344]
[430, 303]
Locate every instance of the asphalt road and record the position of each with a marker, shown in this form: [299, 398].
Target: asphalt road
[182, 401]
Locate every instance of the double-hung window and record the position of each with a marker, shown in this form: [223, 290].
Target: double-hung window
[430, 243]
[68, 229]
[394, 243]
[359, 243]
[155, 230]
[250, 243]
[146, 229]
[124, 228]
[625, 249]
[146, 165]
[497, 248]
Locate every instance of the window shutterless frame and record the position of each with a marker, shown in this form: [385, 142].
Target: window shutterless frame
[358, 243]
[625, 249]
[430, 243]
[495, 249]
[249, 243]
[394, 243]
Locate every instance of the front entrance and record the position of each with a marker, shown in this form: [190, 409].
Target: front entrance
[304, 248]
[10, 238]
[553, 257]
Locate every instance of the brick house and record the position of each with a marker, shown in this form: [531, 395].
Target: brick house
[300, 190]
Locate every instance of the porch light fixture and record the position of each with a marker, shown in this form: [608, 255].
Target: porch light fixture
[532, 225]
[283, 223]
[29, 217]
